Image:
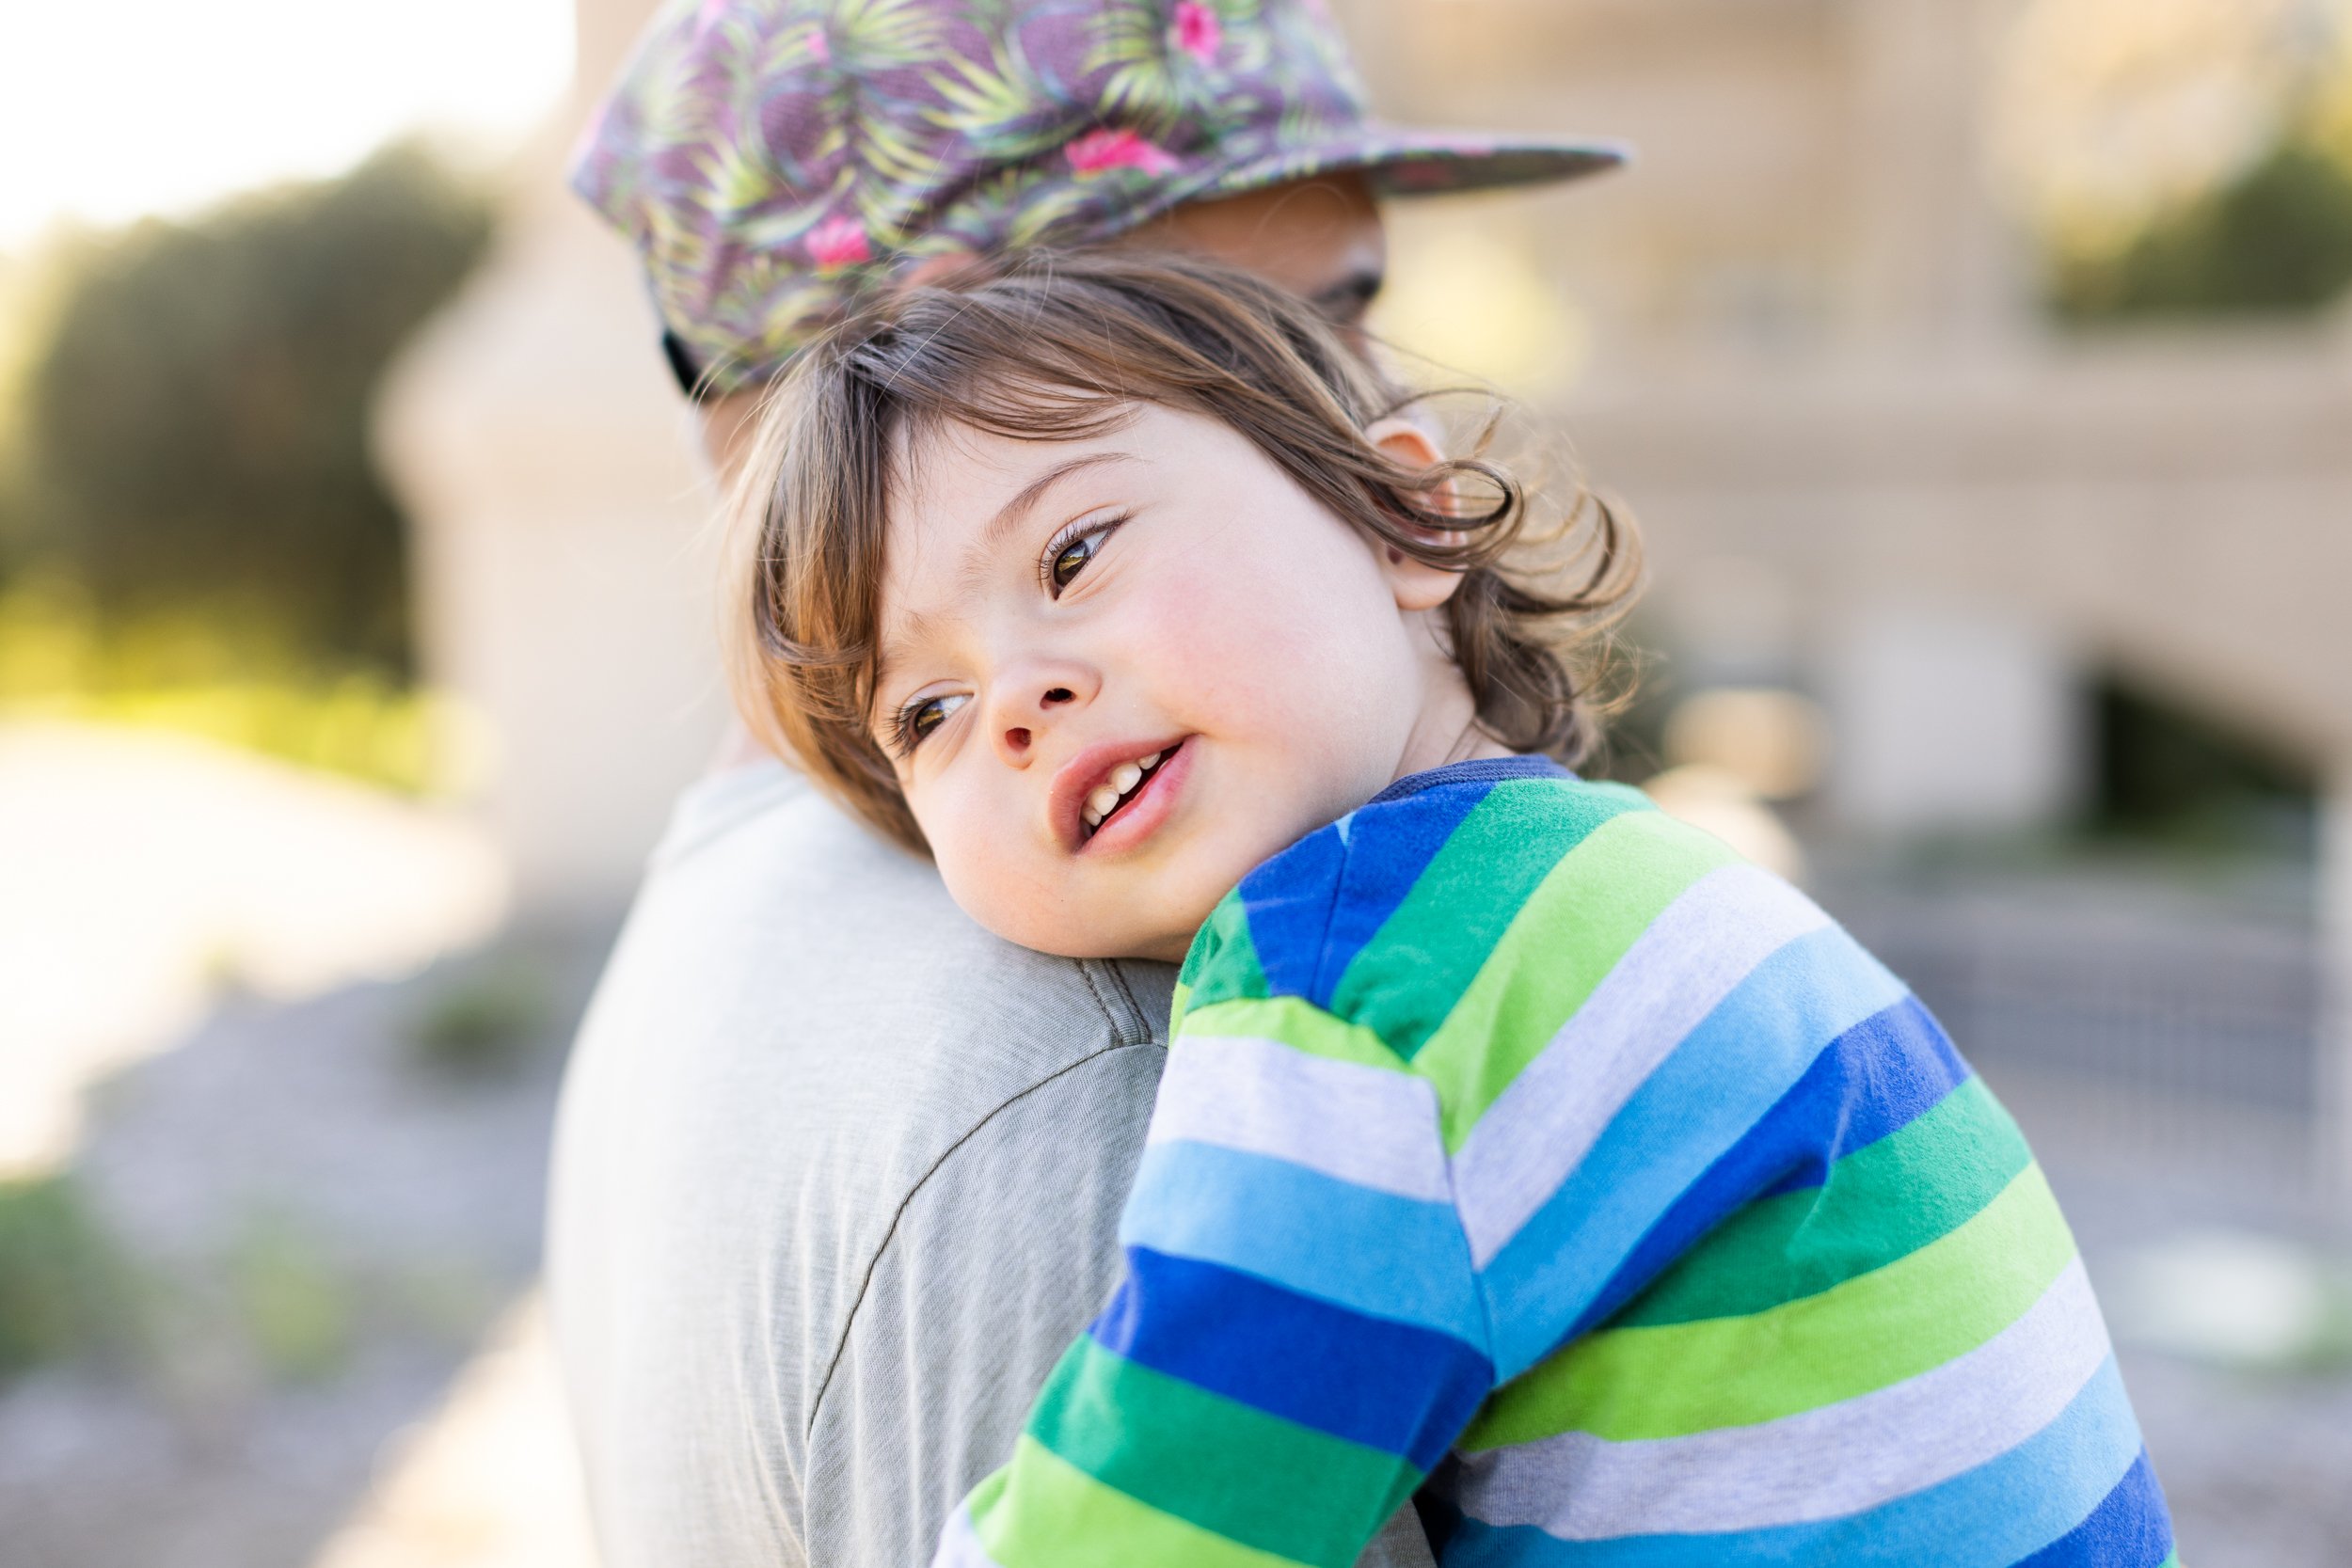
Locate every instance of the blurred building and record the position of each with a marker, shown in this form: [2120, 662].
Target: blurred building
[1817, 371]
[561, 518]
[1800, 337]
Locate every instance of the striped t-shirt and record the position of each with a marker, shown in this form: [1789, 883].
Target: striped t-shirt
[1523, 1147]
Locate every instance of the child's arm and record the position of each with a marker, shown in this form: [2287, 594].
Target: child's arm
[1343, 1237]
[1300, 1337]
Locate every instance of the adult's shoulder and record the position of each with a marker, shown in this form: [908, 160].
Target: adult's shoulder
[796, 1032]
[994, 1263]
[774, 923]
[795, 1004]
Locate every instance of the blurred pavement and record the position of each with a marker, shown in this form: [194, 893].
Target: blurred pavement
[146, 872]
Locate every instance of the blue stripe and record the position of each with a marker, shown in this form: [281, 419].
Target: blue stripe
[1873, 1078]
[1386, 1384]
[1288, 900]
[1371, 1252]
[1389, 846]
[2131, 1529]
[1715, 1085]
[1988, 1518]
[1897, 1067]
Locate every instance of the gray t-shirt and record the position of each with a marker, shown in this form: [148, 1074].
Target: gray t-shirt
[838, 1178]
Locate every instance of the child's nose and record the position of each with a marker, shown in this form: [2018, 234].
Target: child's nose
[1018, 738]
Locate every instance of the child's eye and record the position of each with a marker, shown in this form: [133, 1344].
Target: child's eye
[1072, 552]
[918, 719]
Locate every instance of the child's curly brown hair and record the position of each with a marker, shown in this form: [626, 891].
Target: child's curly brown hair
[1046, 346]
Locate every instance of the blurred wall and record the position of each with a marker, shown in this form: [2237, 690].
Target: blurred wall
[561, 520]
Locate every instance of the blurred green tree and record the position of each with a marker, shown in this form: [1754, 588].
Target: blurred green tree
[2276, 239]
[196, 421]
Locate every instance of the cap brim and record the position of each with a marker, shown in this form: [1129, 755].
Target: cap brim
[1401, 161]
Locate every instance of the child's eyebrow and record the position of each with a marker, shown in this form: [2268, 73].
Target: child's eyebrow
[895, 649]
[1015, 511]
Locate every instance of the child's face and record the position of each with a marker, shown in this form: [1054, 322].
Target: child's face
[1055, 615]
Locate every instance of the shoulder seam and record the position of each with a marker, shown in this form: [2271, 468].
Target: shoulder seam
[1124, 1029]
[1461, 1228]
[890, 1233]
[1154, 1027]
[1323, 937]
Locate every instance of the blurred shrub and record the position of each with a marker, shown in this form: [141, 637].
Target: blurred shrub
[482, 1023]
[2277, 238]
[58, 660]
[195, 420]
[356, 726]
[299, 1311]
[64, 1289]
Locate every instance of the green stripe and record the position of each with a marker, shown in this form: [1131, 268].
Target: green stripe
[1569, 933]
[1883, 1201]
[1417, 965]
[1038, 1512]
[1217, 1463]
[1222, 962]
[1873, 1331]
[1297, 1023]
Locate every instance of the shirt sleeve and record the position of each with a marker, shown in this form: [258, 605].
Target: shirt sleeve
[1299, 1337]
[1351, 1225]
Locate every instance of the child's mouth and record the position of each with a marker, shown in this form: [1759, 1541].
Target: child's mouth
[1111, 796]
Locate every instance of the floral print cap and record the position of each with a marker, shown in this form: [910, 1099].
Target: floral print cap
[778, 161]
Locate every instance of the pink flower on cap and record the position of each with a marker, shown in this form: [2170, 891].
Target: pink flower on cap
[837, 243]
[1103, 149]
[1197, 31]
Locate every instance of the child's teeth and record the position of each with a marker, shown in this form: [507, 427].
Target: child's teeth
[1106, 795]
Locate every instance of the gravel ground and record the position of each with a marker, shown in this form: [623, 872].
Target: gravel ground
[327, 1228]
[2256, 1466]
[2257, 1462]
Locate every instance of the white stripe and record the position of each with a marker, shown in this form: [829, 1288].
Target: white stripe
[959, 1547]
[1366, 1125]
[1692, 957]
[1819, 1464]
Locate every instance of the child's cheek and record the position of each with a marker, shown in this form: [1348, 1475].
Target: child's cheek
[981, 832]
[1214, 648]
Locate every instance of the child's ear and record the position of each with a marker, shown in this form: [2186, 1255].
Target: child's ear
[1417, 584]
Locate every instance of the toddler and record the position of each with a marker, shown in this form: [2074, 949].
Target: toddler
[1520, 1151]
